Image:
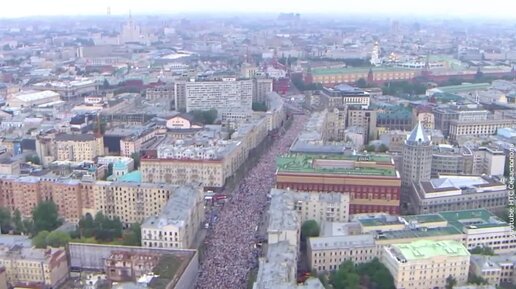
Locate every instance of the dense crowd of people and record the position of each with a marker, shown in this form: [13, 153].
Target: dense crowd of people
[230, 251]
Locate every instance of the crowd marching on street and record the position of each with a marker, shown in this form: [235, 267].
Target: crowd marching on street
[229, 252]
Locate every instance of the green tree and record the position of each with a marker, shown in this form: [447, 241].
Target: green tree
[383, 148]
[45, 217]
[134, 236]
[259, 106]
[136, 157]
[204, 116]
[32, 159]
[58, 239]
[18, 222]
[40, 240]
[309, 229]
[361, 82]
[346, 277]
[376, 275]
[28, 226]
[474, 279]
[5, 220]
[450, 282]
[484, 250]
[87, 226]
[370, 148]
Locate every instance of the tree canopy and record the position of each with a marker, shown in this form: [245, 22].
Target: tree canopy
[204, 116]
[40, 240]
[259, 106]
[478, 250]
[309, 229]
[450, 282]
[45, 217]
[102, 228]
[371, 275]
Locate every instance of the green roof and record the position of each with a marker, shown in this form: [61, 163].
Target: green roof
[339, 70]
[480, 218]
[378, 221]
[132, 177]
[463, 87]
[421, 219]
[420, 233]
[303, 163]
[423, 249]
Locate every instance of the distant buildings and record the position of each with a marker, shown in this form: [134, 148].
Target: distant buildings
[343, 95]
[426, 264]
[496, 270]
[334, 76]
[230, 97]
[478, 128]
[78, 147]
[30, 98]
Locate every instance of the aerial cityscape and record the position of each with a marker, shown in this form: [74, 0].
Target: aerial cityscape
[289, 145]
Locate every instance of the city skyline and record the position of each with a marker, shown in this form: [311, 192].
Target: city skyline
[438, 8]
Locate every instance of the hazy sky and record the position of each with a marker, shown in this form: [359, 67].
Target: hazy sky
[441, 8]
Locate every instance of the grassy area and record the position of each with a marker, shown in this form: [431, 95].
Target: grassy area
[251, 278]
[166, 269]
[92, 240]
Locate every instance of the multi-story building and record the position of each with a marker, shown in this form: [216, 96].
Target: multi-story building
[334, 76]
[463, 113]
[318, 206]
[424, 115]
[364, 118]
[426, 264]
[230, 97]
[371, 180]
[496, 270]
[458, 193]
[160, 92]
[123, 266]
[344, 95]
[328, 253]
[417, 161]
[449, 160]
[480, 128]
[261, 88]
[69, 89]
[179, 221]
[26, 264]
[276, 112]
[198, 160]
[78, 147]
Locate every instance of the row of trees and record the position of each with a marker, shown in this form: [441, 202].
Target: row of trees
[371, 275]
[104, 230]
[52, 239]
[204, 116]
[44, 218]
[379, 149]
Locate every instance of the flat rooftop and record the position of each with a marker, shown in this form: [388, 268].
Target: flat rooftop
[472, 219]
[419, 233]
[424, 249]
[428, 218]
[383, 220]
[338, 242]
[337, 164]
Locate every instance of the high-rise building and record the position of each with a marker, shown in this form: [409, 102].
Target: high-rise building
[261, 88]
[230, 97]
[417, 161]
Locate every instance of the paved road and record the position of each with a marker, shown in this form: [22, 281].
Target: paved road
[229, 252]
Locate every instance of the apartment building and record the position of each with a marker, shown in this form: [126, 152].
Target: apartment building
[449, 160]
[371, 180]
[78, 147]
[328, 253]
[261, 88]
[426, 264]
[496, 270]
[466, 128]
[25, 264]
[179, 221]
[319, 206]
[231, 98]
[443, 115]
[451, 192]
[343, 95]
[364, 118]
[198, 160]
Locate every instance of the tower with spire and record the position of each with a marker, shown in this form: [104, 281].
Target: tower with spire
[417, 162]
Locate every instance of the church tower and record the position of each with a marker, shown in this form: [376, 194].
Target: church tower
[417, 162]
